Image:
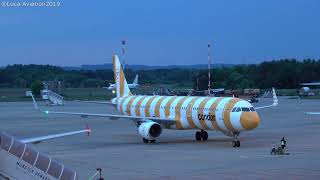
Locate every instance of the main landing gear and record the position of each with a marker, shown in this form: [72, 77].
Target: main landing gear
[235, 142]
[201, 135]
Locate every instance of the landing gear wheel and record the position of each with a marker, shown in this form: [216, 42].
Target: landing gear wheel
[152, 141]
[198, 136]
[204, 135]
[145, 140]
[234, 143]
[238, 143]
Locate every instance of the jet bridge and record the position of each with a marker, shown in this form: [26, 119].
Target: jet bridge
[21, 162]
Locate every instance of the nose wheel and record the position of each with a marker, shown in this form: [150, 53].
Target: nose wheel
[235, 142]
[148, 141]
[201, 135]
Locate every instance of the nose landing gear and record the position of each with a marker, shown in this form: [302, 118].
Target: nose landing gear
[235, 142]
[148, 141]
[201, 135]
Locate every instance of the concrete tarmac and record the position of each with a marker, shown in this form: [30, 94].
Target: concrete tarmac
[117, 148]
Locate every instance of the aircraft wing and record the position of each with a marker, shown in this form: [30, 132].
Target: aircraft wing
[275, 101]
[115, 116]
[312, 113]
[97, 102]
[112, 116]
[53, 136]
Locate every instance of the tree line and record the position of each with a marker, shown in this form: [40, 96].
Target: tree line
[287, 74]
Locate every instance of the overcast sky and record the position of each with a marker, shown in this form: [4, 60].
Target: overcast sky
[160, 32]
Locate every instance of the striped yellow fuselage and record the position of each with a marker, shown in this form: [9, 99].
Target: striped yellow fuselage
[190, 112]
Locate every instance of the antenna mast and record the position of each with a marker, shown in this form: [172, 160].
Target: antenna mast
[209, 68]
[123, 46]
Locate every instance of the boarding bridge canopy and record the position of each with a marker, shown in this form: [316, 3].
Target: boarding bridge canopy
[33, 157]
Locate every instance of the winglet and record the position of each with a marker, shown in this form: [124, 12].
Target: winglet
[275, 101]
[36, 105]
[275, 98]
[34, 102]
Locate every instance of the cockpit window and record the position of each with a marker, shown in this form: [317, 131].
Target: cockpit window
[245, 109]
[238, 109]
[252, 109]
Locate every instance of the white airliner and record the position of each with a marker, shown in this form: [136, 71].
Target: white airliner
[21, 162]
[134, 84]
[151, 114]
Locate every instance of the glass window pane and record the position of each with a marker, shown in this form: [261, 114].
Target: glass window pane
[17, 148]
[245, 109]
[42, 162]
[67, 174]
[30, 155]
[55, 169]
[6, 141]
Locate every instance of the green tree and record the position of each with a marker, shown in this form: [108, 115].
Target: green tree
[36, 86]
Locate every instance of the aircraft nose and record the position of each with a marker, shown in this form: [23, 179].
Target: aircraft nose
[249, 120]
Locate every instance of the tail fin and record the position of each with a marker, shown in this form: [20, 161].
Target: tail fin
[122, 87]
[135, 81]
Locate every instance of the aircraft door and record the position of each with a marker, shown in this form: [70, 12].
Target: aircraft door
[189, 110]
[219, 113]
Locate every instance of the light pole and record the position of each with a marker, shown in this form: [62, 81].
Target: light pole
[123, 46]
[209, 69]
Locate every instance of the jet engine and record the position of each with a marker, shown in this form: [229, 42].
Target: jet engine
[150, 130]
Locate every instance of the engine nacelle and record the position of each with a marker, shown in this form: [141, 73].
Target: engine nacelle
[150, 130]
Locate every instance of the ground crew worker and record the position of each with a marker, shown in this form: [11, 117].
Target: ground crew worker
[283, 143]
